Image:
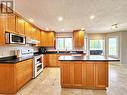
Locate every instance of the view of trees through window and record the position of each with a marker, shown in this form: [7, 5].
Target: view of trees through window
[64, 43]
[113, 46]
[96, 44]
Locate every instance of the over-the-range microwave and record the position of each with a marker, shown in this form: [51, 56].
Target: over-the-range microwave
[12, 38]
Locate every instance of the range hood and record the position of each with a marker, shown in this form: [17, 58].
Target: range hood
[31, 41]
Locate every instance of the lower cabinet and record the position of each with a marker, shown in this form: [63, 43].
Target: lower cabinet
[24, 73]
[51, 60]
[14, 76]
[81, 74]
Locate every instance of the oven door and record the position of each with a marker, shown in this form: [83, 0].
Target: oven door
[38, 69]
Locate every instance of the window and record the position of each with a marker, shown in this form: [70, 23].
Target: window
[96, 44]
[96, 47]
[64, 43]
[113, 46]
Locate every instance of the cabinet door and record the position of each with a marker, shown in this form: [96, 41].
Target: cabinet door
[28, 29]
[90, 74]
[67, 74]
[2, 29]
[78, 76]
[101, 75]
[24, 72]
[43, 38]
[20, 26]
[11, 23]
[78, 39]
[51, 39]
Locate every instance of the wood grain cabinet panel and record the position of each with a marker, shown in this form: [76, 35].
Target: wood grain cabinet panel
[67, 75]
[101, 75]
[20, 26]
[11, 23]
[90, 74]
[47, 39]
[28, 29]
[3, 23]
[79, 74]
[78, 39]
[23, 73]
[14, 76]
[52, 60]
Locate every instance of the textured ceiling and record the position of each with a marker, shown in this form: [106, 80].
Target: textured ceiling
[76, 14]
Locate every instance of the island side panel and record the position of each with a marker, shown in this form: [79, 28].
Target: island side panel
[84, 74]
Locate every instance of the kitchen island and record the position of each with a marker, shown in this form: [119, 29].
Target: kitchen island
[89, 72]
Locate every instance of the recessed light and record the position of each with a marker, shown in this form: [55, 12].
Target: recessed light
[47, 28]
[31, 20]
[82, 29]
[62, 30]
[92, 17]
[60, 18]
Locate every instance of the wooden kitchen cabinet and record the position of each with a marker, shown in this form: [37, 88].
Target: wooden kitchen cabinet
[78, 39]
[3, 22]
[28, 29]
[24, 72]
[101, 75]
[52, 60]
[14, 76]
[84, 74]
[47, 39]
[11, 23]
[20, 25]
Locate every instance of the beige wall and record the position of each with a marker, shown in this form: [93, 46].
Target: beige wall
[123, 47]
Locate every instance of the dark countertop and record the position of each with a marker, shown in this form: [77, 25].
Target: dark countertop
[13, 59]
[87, 58]
[65, 52]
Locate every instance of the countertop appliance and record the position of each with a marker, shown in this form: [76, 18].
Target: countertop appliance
[37, 65]
[18, 53]
[42, 50]
[12, 38]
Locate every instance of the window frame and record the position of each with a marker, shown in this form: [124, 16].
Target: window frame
[64, 43]
[104, 45]
[117, 46]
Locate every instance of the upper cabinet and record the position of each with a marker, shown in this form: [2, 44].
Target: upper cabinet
[20, 26]
[78, 39]
[3, 22]
[48, 39]
[11, 23]
[28, 28]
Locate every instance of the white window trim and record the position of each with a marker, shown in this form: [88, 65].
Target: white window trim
[64, 43]
[117, 48]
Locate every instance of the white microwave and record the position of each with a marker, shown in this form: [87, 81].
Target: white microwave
[12, 38]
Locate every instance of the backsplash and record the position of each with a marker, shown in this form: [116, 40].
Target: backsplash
[6, 51]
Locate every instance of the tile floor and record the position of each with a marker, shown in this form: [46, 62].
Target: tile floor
[48, 83]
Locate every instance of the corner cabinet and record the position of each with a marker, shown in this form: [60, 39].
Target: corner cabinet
[78, 39]
[47, 38]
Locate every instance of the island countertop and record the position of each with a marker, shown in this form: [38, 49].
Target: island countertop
[87, 58]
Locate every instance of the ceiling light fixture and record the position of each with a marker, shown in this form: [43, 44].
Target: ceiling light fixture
[31, 20]
[60, 18]
[114, 26]
[92, 17]
[62, 30]
[82, 29]
[47, 29]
